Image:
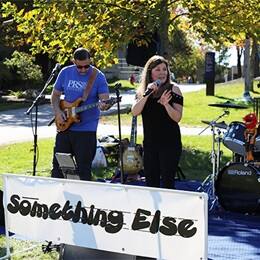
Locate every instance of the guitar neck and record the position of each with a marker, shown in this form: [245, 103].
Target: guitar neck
[85, 107]
[109, 102]
[133, 131]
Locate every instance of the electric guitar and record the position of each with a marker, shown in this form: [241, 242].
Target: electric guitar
[72, 110]
[132, 159]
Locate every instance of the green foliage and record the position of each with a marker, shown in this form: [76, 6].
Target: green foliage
[103, 27]
[224, 21]
[22, 64]
[187, 59]
[5, 76]
[189, 65]
[61, 26]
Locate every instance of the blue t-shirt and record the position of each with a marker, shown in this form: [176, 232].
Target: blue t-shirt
[72, 85]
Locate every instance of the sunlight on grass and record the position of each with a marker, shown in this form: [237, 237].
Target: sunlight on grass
[196, 105]
[18, 158]
[22, 249]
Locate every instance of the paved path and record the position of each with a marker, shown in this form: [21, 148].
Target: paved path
[15, 126]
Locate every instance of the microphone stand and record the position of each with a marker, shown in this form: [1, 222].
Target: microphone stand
[208, 184]
[117, 87]
[29, 111]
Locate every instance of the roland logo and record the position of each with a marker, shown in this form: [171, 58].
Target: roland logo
[239, 172]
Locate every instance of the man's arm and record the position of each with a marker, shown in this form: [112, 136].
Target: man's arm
[55, 102]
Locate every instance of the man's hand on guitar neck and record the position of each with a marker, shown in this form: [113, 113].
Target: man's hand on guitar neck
[104, 104]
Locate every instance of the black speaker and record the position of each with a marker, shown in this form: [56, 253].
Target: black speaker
[137, 54]
[210, 73]
[69, 252]
[2, 214]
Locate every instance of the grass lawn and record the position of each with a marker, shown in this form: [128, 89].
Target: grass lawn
[18, 158]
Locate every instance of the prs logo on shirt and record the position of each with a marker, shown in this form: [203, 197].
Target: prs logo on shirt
[76, 85]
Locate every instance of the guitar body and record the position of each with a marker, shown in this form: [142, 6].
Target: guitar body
[72, 110]
[132, 160]
[69, 110]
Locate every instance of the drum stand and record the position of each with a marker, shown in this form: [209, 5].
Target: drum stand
[208, 185]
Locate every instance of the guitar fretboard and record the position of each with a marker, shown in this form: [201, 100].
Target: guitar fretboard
[133, 131]
[79, 109]
[85, 107]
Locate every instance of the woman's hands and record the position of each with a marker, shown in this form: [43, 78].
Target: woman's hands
[165, 98]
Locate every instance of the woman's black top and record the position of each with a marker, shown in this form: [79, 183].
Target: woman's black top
[159, 128]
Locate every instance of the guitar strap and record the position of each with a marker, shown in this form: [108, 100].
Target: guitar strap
[90, 83]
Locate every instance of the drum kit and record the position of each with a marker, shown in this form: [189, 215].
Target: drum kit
[235, 187]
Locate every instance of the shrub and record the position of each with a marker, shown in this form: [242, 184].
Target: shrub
[23, 65]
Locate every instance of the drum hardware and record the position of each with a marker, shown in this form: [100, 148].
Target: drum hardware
[256, 164]
[208, 184]
[237, 158]
[228, 104]
[219, 153]
[221, 125]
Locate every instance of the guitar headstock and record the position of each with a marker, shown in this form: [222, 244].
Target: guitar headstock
[110, 102]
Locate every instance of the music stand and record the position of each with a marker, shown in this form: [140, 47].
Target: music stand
[67, 165]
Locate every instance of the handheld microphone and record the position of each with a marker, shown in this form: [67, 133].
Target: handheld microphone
[56, 68]
[150, 90]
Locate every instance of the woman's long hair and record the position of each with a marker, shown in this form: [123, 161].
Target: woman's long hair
[146, 76]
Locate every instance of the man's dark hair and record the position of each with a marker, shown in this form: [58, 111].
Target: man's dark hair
[81, 54]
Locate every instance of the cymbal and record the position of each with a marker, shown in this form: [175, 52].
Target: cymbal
[228, 105]
[222, 124]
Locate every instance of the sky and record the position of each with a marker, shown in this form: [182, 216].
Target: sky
[233, 57]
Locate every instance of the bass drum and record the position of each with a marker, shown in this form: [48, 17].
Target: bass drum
[238, 188]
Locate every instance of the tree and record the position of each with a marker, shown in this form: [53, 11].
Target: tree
[224, 22]
[61, 26]
[103, 27]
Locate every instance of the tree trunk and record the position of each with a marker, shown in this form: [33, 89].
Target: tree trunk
[252, 62]
[163, 30]
[255, 59]
[239, 68]
[247, 73]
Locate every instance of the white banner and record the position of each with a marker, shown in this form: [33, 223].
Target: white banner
[166, 224]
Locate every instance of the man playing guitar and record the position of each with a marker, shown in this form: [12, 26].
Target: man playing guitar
[80, 83]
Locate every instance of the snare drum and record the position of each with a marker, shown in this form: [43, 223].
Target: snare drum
[234, 138]
[238, 188]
